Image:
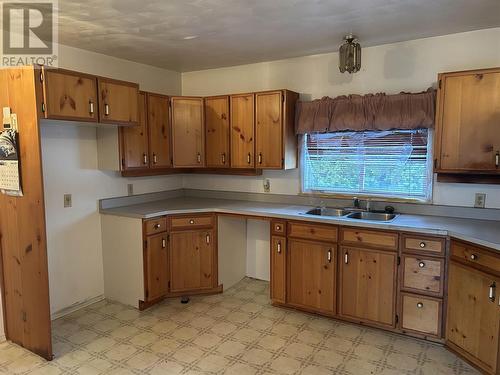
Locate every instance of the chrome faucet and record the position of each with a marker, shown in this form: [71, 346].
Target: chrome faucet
[356, 203]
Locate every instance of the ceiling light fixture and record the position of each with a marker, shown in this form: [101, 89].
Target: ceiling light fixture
[350, 55]
[189, 37]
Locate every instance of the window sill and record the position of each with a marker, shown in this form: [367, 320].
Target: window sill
[374, 198]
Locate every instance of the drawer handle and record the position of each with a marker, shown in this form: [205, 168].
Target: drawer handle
[420, 305]
[163, 243]
[422, 244]
[91, 107]
[491, 293]
[421, 264]
[473, 257]
[157, 226]
[279, 247]
[106, 109]
[191, 221]
[207, 238]
[346, 258]
[144, 159]
[198, 158]
[223, 156]
[329, 256]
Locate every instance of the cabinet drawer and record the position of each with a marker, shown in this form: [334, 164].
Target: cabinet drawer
[157, 225]
[476, 256]
[188, 222]
[278, 228]
[423, 274]
[421, 314]
[431, 245]
[327, 233]
[381, 240]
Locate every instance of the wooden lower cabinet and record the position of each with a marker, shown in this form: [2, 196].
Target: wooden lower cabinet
[192, 260]
[421, 315]
[311, 275]
[473, 316]
[156, 266]
[367, 286]
[278, 267]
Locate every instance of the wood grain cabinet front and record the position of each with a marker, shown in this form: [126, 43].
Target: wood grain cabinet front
[118, 102]
[134, 140]
[217, 131]
[421, 314]
[278, 269]
[159, 131]
[68, 95]
[156, 267]
[242, 126]
[422, 274]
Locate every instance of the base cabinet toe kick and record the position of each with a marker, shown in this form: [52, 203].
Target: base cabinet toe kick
[425, 286]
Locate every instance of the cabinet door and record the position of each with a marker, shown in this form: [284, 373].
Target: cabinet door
[269, 129]
[192, 260]
[156, 266]
[118, 102]
[368, 285]
[472, 317]
[468, 122]
[70, 95]
[311, 275]
[242, 131]
[187, 132]
[159, 131]
[217, 131]
[134, 140]
[278, 269]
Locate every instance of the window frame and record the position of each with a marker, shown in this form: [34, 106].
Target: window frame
[373, 197]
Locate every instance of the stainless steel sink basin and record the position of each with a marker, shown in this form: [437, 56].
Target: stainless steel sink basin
[372, 216]
[327, 212]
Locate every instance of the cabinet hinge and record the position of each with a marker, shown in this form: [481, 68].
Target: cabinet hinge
[147, 294]
[283, 98]
[439, 84]
[435, 163]
[24, 316]
[145, 244]
[399, 260]
[43, 107]
[397, 318]
[41, 76]
[123, 162]
[170, 103]
[168, 237]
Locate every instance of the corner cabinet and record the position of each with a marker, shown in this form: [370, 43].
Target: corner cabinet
[118, 103]
[188, 132]
[473, 316]
[467, 123]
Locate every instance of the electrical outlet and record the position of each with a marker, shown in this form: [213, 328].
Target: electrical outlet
[480, 200]
[130, 189]
[267, 185]
[67, 201]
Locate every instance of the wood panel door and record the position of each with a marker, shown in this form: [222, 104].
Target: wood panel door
[188, 132]
[269, 129]
[156, 266]
[217, 131]
[69, 95]
[473, 317]
[159, 131]
[311, 275]
[191, 260]
[23, 239]
[118, 102]
[368, 285]
[134, 140]
[242, 131]
[467, 122]
[278, 269]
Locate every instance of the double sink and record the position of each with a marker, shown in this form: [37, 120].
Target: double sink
[358, 215]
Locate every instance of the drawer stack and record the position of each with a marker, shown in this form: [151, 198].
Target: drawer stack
[422, 285]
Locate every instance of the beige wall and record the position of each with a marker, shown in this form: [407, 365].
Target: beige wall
[70, 166]
[391, 68]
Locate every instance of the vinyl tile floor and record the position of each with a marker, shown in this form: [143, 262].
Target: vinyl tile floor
[237, 332]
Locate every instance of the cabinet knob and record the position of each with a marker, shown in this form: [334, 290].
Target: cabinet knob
[157, 226]
[91, 107]
[473, 257]
[191, 221]
[422, 244]
[421, 264]
[420, 305]
[278, 227]
[106, 109]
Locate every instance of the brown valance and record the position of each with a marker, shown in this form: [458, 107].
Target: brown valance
[366, 112]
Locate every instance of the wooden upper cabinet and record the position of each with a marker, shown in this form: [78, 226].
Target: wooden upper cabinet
[159, 131]
[188, 132]
[118, 102]
[217, 131]
[242, 131]
[278, 269]
[473, 316]
[156, 270]
[134, 140]
[367, 290]
[68, 95]
[468, 122]
[311, 275]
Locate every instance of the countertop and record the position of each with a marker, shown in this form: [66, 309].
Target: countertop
[481, 232]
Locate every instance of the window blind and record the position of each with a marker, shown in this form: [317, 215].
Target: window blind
[382, 163]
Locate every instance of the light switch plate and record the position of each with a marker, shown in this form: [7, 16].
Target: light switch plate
[67, 201]
[480, 200]
[130, 189]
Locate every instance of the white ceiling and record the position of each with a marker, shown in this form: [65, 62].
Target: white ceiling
[232, 32]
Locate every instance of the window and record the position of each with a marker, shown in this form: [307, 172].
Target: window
[394, 164]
